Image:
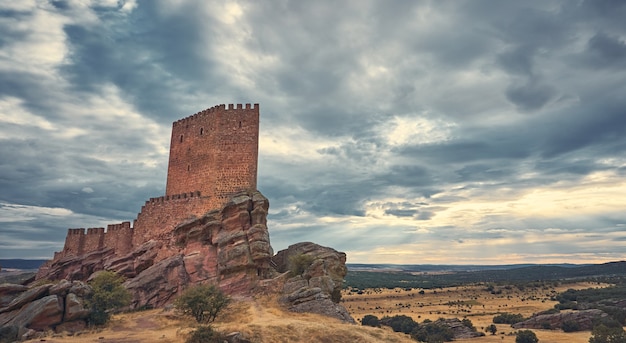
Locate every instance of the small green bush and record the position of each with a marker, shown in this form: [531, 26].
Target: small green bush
[400, 323]
[205, 334]
[370, 320]
[508, 318]
[108, 295]
[570, 326]
[203, 302]
[468, 323]
[604, 334]
[526, 336]
[434, 332]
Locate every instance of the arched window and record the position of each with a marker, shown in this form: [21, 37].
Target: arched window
[188, 167]
[201, 131]
[181, 138]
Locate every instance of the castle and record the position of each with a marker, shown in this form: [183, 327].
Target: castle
[213, 155]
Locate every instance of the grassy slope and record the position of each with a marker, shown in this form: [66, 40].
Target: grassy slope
[260, 320]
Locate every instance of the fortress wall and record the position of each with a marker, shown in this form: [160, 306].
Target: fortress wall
[119, 237]
[159, 216]
[74, 243]
[94, 240]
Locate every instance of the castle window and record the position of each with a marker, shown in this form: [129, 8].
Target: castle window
[201, 131]
[240, 125]
[181, 138]
[188, 167]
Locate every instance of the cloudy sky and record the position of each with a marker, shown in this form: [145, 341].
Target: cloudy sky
[443, 132]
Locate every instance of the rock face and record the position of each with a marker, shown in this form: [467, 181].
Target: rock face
[584, 319]
[459, 329]
[228, 247]
[57, 307]
[313, 279]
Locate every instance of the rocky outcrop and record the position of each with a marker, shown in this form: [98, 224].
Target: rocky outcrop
[584, 320]
[313, 279]
[459, 329]
[59, 307]
[229, 247]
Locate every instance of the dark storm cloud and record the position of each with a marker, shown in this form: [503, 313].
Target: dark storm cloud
[402, 111]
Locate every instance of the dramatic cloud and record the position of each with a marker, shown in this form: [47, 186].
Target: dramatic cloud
[404, 132]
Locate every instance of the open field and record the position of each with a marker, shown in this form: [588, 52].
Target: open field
[473, 302]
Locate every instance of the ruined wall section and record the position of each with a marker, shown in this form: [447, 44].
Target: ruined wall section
[215, 152]
[74, 243]
[159, 216]
[119, 237]
[94, 240]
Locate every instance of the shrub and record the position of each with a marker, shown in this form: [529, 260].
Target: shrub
[434, 332]
[108, 295]
[605, 334]
[205, 334]
[299, 263]
[570, 326]
[526, 336]
[370, 320]
[400, 323]
[468, 323]
[203, 302]
[508, 318]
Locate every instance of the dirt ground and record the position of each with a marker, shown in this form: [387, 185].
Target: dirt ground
[473, 302]
[264, 320]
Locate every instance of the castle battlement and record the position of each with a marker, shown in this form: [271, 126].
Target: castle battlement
[215, 109]
[213, 155]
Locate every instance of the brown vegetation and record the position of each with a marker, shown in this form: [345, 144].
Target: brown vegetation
[264, 320]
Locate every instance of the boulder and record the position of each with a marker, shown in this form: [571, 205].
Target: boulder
[322, 271]
[74, 308]
[584, 319]
[61, 288]
[459, 330]
[40, 314]
[26, 297]
[158, 285]
[8, 292]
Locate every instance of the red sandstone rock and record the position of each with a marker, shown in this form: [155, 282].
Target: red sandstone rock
[26, 297]
[8, 292]
[157, 285]
[40, 314]
[313, 290]
[74, 308]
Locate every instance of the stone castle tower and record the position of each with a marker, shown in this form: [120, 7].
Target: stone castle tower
[213, 155]
[214, 152]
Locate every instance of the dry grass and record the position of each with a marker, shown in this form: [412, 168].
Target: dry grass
[472, 302]
[264, 320]
[260, 320]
